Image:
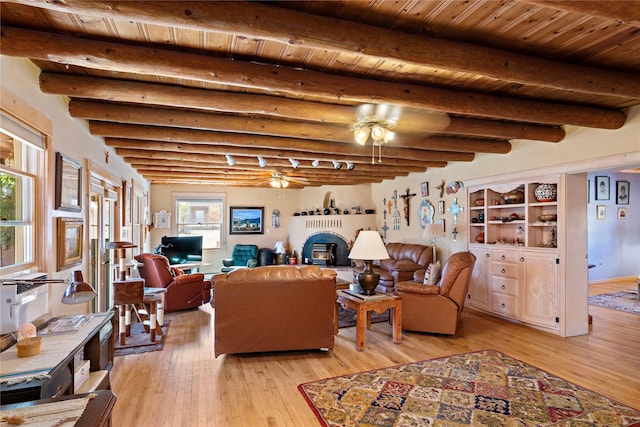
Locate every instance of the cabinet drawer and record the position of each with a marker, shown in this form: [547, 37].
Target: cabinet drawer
[503, 269]
[498, 255]
[505, 304]
[504, 285]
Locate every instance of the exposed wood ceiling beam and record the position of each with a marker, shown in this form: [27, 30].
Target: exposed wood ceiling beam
[248, 173]
[273, 164]
[299, 130]
[272, 106]
[289, 27]
[199, 152]
[214, 140]
[117, 57]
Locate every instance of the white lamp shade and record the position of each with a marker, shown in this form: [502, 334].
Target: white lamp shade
[368, 246]
[433, 231]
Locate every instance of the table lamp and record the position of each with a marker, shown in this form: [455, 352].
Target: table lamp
[368, 247]
[433, 231]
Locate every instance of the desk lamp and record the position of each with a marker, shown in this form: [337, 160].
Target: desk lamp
[78, 291]
[368, 247]
[433, 232]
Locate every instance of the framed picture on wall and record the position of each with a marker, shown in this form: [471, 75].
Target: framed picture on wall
[68, 184]
[246, 220]
[622, 192]
[622, 213]
[602, 188]
[424, 187]
[601, 212]
[69, 242]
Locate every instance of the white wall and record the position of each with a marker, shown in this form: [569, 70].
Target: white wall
[614, 243]
[70, 136]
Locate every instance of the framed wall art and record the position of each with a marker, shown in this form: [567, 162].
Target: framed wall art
[601, 212]
[424, 187]
[68, 192]
[622, 213]
[69, 242]
[622, 192]
[602, 188]
[246, 220]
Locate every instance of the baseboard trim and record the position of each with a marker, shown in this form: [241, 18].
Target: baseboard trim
[614, 279]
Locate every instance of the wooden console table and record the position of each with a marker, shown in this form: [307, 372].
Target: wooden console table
[51, 372]
[364, 305]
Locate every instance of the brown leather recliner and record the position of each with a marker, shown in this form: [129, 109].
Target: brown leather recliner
[184, 291]
[437, 308]
[404, 260]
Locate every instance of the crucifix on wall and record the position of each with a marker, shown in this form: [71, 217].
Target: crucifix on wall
[407, 198]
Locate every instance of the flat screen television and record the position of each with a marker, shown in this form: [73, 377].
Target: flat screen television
[182, 249]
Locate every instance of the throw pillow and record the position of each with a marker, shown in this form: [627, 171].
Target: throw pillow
[432, 275]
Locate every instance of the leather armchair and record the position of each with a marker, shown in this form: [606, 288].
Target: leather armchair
[404, 260]
[242, 256]
[437, 308]
[184, 291]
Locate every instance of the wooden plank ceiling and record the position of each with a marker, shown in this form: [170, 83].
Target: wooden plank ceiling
[175, 86]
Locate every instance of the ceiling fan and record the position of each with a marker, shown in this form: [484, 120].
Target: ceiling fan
[282, 180]
[379, 124]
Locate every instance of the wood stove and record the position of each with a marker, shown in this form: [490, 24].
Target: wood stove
[324, 254]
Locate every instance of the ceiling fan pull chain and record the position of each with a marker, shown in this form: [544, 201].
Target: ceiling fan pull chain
[380, 153]
[373, 154]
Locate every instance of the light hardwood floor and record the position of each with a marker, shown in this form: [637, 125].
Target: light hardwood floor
[184, 385]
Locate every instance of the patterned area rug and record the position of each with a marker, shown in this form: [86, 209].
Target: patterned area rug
[623, 301]
[347, 318]
[139, 342]
[484, 388]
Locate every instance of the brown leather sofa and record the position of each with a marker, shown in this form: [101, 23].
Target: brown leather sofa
[274, 308]
[437, 308]
[184, 291]
[405, 259]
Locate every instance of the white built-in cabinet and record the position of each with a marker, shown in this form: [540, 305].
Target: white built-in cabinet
[514, 237]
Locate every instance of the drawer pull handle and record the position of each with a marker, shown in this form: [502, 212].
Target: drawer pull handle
[521, 259]
[503, 305]
[504, 271]
[503, 287]
[488, 255]
[503, 257]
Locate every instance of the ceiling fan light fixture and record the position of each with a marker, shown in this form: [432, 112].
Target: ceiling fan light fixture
[262, 161]
[361, 135]
[279, 183]
[294, 163]
[388, 136]
[230, 160]
[377, 132]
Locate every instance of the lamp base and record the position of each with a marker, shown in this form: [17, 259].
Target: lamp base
[368, 280]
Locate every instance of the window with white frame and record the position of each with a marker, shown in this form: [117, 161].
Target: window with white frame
[201, 215]
[21, 157]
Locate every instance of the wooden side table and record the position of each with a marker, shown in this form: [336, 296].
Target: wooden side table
[364, 305]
